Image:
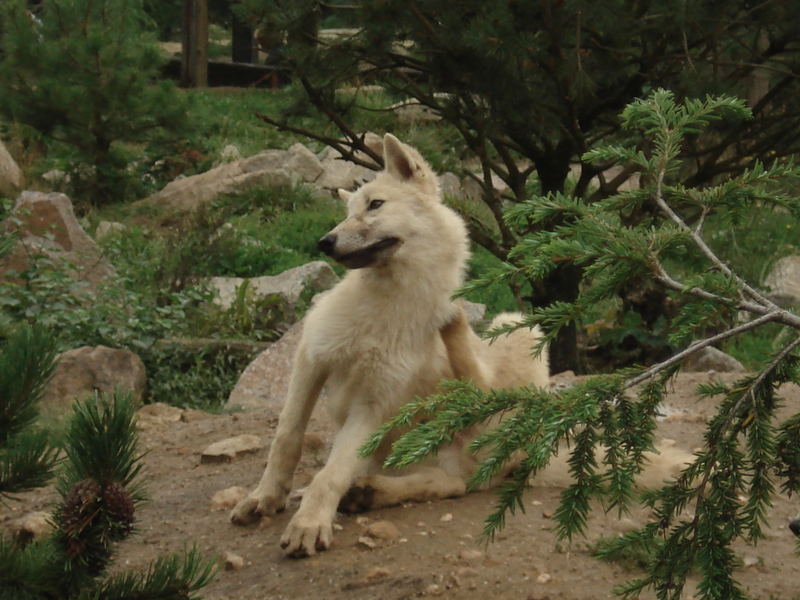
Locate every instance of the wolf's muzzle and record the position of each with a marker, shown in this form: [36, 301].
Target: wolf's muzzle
[794, 525]
[327, 244]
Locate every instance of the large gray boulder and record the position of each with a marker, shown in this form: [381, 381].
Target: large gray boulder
[783, 281]
[189, 193]
[265, 381]
[11, 179]
[45, 225]
[84, 371]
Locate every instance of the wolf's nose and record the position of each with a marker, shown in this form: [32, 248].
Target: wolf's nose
[794, 525]
[327, 244]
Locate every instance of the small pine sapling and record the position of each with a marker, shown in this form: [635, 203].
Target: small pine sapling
[99, 486]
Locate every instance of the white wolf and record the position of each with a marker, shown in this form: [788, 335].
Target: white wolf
[386, 333]
[377, 340]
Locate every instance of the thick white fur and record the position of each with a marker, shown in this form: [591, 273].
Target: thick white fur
[375, 342]
[386, 333]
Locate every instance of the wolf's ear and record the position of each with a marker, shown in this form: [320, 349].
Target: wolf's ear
[344, 194]
[397, 161]
[406, 164]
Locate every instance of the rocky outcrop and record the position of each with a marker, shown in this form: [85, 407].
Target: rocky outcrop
[11, 179]
[317, 276]
[93, 369]
[327, 171]
[269, 168]
[46, 226]
[266, 169]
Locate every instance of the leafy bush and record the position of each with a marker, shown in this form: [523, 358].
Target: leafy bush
[193, 377]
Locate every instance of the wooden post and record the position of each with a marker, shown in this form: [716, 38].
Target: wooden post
[194, 61]
[242, 49]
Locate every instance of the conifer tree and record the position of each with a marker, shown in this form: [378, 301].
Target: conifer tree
[99, 487]
[747, 451]
[85, 73]
[526, 88]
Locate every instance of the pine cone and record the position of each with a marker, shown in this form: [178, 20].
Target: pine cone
[80, 506]
[120, 507]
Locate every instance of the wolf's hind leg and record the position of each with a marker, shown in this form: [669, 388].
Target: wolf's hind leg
[378, 491]
[462, 346]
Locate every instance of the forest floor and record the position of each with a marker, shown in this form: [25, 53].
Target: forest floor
[435, 550]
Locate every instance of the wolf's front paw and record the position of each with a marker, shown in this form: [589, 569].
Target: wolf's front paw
[252, 508]
[306, 535]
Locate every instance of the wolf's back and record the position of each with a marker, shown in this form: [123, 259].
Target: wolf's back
[512, 357]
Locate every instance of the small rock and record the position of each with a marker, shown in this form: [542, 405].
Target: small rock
[228, 498]
[30, 527]
[544, 578]
[231, 448]
[466, 572]
[470, 555]
[446, 518]
[383, 530]
[434, 589]
[157, 414]
[751, 561]
[377, 573]
[106, 229]
[232, 562]
[230, 153]
[368, 542]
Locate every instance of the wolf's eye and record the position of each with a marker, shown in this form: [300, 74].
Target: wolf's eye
[375, 204]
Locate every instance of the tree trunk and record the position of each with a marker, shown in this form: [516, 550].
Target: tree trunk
[562, 284]
[194, 61]
[242, 47]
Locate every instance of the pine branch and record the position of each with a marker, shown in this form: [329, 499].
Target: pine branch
[27, 361]
[27, 463]
[699, 345]
[27, 459]
[174, 577]
[348, 149]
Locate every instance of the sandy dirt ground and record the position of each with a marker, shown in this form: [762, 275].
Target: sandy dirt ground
[433, 548]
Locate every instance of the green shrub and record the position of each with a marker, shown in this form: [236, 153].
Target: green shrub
[200, 378]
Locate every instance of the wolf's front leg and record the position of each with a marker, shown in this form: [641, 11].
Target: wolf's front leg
[311, 528]
[270, 495]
